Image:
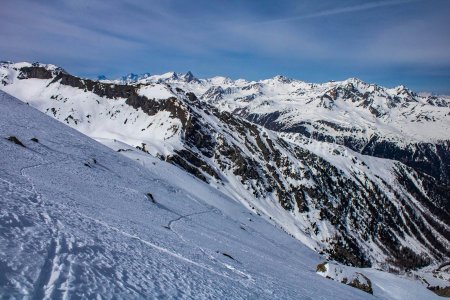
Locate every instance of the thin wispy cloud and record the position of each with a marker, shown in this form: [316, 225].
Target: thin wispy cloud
[338, 11]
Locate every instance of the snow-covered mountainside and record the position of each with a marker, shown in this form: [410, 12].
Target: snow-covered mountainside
[391, 123]
[80, 220]
[355, 171]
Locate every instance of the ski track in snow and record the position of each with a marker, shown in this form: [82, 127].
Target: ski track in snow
[50, 273]
[161, 249]
[203, 251]
[52, 268]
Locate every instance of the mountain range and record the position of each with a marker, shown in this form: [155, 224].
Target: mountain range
[356, 172]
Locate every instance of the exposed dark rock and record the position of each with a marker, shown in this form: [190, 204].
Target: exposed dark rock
[441, 291]
[150, 197]
[228, 255]
[366, 287]
[321, 267]
[15, 140]
[35, 72]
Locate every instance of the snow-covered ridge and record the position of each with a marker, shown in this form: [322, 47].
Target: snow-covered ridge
[397, 113]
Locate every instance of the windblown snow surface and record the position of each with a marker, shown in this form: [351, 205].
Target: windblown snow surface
[80, 220]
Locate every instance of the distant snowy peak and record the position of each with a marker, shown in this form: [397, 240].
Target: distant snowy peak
[188, 77]
[285, 104]
[131, 77]
[164, 78]
[398, 111]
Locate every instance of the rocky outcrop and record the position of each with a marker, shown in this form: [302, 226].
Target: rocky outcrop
[345, 276]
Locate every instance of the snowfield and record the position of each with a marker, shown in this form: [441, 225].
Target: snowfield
[76, 220]
[155, 92]
[79, 220]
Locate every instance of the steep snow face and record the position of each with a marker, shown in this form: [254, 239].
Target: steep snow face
[78, 219]
[358, 209]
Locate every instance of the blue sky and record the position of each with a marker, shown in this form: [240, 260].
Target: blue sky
[389, 42]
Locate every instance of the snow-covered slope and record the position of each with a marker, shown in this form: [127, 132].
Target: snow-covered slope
[76, 220]
[356, 208]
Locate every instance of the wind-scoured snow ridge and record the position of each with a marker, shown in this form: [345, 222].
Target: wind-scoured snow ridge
[384, 203]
